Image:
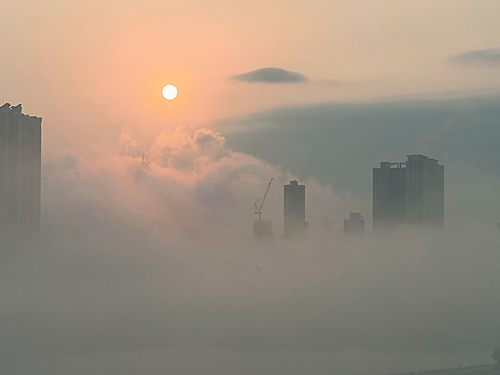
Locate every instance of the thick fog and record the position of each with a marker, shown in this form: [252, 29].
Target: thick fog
[147, 265]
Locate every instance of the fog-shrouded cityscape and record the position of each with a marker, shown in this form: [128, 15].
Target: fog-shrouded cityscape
[249, 188]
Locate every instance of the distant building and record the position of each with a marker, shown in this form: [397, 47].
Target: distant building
[355, 225]
[325, 225]
[20, 173]
[263, 229]
[295, 209]
[408, 193]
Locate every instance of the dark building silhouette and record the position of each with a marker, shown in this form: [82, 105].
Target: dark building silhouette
[20, 173]
[295, 209]
[355, 225]
[408, 193]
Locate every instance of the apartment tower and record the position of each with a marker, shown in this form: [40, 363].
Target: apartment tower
[20, 173]
[295, 209]
[411, 192]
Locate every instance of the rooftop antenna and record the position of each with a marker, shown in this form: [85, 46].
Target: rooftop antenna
[144, 160]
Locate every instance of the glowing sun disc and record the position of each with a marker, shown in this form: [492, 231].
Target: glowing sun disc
[169, 92]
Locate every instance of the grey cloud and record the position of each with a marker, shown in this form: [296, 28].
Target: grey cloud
[482, 57]
[271, 75]
[341, 138]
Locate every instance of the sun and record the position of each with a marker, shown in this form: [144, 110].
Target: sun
[169, 92]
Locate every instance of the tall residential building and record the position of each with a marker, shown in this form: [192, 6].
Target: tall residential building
[411, 192]
[20, 173]
[295, 209]
[355, 225]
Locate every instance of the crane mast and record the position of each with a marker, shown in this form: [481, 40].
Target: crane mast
[258, 209]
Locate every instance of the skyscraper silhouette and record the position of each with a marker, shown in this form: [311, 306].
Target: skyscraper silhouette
[295, 209]
[408, 193]
[20, 173]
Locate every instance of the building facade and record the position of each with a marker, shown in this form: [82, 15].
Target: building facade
[20, 173]
[295, 209]
[411, 192]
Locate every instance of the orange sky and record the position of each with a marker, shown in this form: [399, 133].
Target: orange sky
[92, 68]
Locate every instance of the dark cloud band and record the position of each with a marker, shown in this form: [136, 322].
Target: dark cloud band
[483, 57]
[270, 75]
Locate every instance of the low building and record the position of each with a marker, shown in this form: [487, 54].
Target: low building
[355, 225]
[263, 229]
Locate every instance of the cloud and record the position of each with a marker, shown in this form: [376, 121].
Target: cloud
[183, 151]
[342, 138]
[192, 187]
[127, 141]
[482, 57]
[271, 75]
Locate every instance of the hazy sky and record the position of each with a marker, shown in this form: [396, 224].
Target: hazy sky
[99, 66]
[151, 268]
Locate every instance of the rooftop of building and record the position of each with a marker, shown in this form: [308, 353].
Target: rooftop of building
[355, 216]
[15, 110]
[294, 183]
[410, 159]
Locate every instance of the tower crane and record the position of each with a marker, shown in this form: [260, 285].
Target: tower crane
[258, 209]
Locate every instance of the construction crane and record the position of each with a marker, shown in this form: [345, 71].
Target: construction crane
[258, 209]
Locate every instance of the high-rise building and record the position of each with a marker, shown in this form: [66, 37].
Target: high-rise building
[355, 225]
[20, 173]
[295, 209]
[411, 192]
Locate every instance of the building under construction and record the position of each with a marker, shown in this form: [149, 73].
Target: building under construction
[262, 228]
